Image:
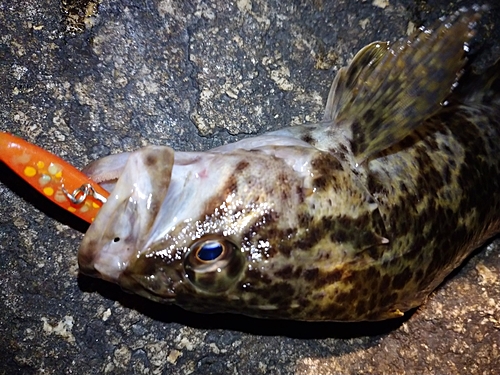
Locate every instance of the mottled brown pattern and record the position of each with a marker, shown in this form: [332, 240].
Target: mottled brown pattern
[437, 196]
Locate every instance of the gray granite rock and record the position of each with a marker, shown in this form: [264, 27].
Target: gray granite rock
[83, 80]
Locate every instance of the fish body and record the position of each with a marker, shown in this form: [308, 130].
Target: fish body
[358, 217]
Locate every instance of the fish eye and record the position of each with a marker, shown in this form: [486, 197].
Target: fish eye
[210, 250]
[213, 262]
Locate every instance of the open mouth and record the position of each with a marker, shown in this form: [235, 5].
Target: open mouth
[119, 229]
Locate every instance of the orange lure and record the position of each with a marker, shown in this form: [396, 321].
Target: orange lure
[57, 180]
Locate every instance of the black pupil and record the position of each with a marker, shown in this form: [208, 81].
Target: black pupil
[210, 250]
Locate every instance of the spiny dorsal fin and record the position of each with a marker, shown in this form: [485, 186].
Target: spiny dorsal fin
[387, 91]
[342, 91]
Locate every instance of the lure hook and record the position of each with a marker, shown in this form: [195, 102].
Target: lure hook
[79, 195]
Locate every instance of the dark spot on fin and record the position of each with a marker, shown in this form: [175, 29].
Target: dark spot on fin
[387, 91]
[150, 160]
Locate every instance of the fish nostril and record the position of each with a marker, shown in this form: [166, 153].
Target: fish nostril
[116, 239]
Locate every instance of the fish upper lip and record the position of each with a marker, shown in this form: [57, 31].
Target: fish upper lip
[157, 285]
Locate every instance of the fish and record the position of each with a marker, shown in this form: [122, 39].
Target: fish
[358, 217]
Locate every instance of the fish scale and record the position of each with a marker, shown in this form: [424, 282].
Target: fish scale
[358, 217]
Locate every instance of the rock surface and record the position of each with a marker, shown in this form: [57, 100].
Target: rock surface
[84, 79]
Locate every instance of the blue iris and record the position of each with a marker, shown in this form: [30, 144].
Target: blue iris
[210, 250]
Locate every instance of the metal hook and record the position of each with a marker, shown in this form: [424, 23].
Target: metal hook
[79, 195]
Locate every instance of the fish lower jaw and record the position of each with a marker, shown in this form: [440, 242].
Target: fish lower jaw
[110, 267]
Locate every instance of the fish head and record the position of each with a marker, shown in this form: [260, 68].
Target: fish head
[189, 229]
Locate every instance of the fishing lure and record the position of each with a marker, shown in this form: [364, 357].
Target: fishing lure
[56, 179]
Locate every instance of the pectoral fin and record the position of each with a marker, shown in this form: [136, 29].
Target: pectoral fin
[389, 90]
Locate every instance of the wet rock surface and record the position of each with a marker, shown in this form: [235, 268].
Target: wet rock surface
[194, 75]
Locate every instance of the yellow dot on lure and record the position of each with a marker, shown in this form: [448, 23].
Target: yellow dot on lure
[30, 171]
[40, 164]
[58, 174]
[48, 191]
[71, 209]
[95, 205]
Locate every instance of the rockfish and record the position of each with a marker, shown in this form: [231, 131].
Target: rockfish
[358, 217]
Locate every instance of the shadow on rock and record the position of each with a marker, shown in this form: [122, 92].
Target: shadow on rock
[240, 323]
[32, 197]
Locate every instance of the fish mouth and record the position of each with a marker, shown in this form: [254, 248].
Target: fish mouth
[123, 223]
[158, 286]
[151, 191]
